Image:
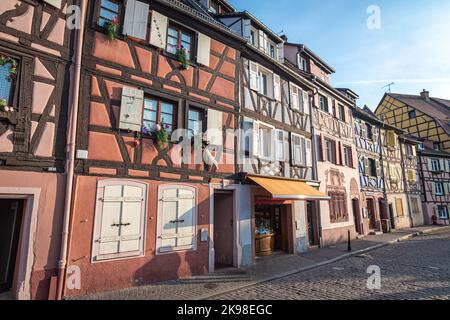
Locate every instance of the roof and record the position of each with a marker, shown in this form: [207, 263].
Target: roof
[250, 16]
[313, 56]
[438, 109]
[436, 153]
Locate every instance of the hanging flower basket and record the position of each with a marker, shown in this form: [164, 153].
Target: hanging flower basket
[112, 29]
[13, 68]
[182, 58]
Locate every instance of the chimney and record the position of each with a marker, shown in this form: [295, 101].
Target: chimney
[425, 95]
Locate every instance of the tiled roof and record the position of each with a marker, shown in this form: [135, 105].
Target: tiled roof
[438, 109]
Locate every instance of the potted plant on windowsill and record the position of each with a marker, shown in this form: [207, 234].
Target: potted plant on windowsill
[183, 59]
[112, 29]
[162, 135]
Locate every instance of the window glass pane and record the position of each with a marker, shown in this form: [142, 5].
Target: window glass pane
[110, 5]
[5, 84]
[107, 14]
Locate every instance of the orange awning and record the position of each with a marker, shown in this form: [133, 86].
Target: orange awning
[284, 189]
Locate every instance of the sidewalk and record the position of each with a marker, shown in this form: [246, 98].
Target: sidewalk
[266, 269]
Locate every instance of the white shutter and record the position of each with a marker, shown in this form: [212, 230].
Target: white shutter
[308, 153]
[305, 102]
[120, 220]
[296, 149]
[279, 145]
[203, 49]
[55, 3]
[176, 216]
[262, 42]
[136, 19]
[158, 31]
[254, 81]
[255, 139]
[131, 109]
[277, 87]
[294, 97]
[215, 127]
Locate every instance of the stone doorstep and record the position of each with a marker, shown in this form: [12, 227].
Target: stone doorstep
[413, 234]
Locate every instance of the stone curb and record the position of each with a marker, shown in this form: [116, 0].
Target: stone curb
[323, 263]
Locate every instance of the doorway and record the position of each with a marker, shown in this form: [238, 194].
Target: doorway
[391, 215]
[223, 229]
[10, 222]
[272, 229]
[371, 213]
[313, 233]
[355, 209]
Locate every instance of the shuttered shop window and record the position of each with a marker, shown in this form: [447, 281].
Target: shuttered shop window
[119, 220]
[176, 218]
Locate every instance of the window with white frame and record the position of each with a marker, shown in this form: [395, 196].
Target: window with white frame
[119, 220]
[176, 218]
[435, 165]
[443, 212]
[439, 189]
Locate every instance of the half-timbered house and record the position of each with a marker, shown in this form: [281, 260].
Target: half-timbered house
[275, 156]
[435, 184]
[35, 57]
[333, 140]
[368, 143]
[159, 91]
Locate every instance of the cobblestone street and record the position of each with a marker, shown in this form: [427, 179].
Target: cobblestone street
[415, 269]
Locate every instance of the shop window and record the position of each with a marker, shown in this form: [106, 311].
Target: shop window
[176, 218]
[119, 220]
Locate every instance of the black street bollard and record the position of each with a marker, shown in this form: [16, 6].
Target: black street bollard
[349, 246]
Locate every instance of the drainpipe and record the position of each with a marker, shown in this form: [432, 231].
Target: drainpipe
[405, 182]
[75, 88]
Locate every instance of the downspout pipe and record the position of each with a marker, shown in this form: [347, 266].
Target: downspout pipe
[71, 145]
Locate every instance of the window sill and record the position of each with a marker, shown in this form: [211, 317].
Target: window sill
[11, 117]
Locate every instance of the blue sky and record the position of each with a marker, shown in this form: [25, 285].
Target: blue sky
[412, 47]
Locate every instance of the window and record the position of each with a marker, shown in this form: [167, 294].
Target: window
[435, 165]
[119, 220]
[372, 167]
[338, 207]
[272, 51]
[177, 214]
[8, 79]
[437, 146]
[412, 114]
[196, 122]
[323, 103]
[263, 84]
[399, 207]
[342, 112]
[369, 132]
[265, 134]
[329, 151]
[159, 112]
[443, 212]
[178, 38]
[348, 161]
[213, 7]
[109, 10]
[439, 189]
